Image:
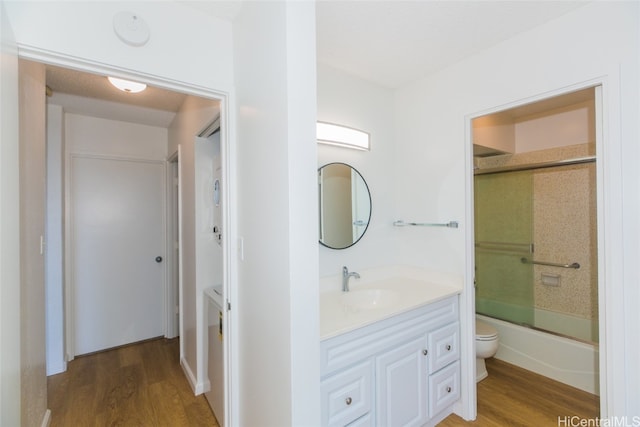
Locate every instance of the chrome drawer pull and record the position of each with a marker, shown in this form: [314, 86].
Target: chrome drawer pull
[348, 401]
[425, 352]
[448, 347]
[448, 389]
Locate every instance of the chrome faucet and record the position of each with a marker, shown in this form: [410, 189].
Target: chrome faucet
[345, 278]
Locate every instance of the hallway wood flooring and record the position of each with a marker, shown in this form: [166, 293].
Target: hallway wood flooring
[137, 385]
[143, 385]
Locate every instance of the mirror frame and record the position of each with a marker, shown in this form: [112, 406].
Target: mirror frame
[370, 206]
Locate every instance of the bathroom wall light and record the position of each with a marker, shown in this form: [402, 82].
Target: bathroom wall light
[341, 136]
[126, 85]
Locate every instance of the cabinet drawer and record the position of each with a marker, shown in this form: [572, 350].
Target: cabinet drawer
[444, 346]
[444, 388]
[347, 396]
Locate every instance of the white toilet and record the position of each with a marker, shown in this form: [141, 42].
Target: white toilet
[486, 346]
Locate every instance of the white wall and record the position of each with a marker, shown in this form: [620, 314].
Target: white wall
[277, 290]
[304, 326]
[350, 101]
[9, 228]
[599, 40]
[54, 274]
[185, 45]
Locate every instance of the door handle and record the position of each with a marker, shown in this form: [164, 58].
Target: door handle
[158, 259]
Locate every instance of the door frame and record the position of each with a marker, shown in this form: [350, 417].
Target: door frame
[173, 266]
[230, 245]
[609, 251]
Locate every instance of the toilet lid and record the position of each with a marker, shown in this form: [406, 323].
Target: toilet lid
[485, 331]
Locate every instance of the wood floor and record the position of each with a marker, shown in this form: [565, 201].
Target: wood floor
[143, 385]
[511, 396]
[136, 385]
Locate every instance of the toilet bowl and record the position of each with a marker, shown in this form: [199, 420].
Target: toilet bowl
[486, 346]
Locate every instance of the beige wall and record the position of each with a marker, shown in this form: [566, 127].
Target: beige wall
[561, 127]
[32, 209]
[336, 207]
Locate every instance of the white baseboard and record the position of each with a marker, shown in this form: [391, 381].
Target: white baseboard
[46, 419]
[198, 388]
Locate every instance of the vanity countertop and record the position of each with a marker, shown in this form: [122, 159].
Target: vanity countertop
[364, 304]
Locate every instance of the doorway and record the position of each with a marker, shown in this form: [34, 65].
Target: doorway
[192, 117]
[173, 246]
[536, 164]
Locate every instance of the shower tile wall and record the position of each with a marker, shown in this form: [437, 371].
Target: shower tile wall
[564, 227]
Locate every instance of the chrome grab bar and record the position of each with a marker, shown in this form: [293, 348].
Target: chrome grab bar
[450, 224]
[551, 264]
[526, 248]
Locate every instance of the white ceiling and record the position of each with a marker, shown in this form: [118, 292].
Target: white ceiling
[395, 42]
[390, 42]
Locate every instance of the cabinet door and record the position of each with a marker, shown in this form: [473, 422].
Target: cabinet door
[401, 385]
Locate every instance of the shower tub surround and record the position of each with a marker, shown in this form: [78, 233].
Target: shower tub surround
[390, 347]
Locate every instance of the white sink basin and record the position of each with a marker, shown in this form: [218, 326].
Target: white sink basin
[369, 299]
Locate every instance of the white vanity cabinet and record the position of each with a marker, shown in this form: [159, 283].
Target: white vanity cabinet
[399, 371]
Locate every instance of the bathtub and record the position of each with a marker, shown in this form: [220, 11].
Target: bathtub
[569, 361]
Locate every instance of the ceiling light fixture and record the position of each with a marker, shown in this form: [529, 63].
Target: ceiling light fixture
[341, 136]
[126, 85]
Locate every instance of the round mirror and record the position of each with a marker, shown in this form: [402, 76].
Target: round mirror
[345, 205]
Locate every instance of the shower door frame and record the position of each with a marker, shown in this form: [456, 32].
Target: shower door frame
[609, 229]
[521, 316]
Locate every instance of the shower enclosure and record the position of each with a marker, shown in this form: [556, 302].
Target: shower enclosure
[536, 252]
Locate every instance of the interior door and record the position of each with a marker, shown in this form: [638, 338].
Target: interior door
[118, 241]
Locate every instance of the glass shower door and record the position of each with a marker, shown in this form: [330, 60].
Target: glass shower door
[504, 236]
